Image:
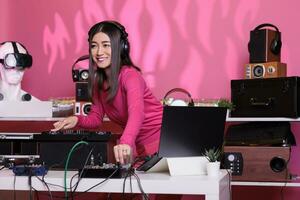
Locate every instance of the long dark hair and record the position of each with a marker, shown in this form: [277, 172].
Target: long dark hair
[120, 49]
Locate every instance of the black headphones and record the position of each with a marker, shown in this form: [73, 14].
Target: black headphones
[276, 43]
[191, 101]
[81, 75]
[125, 47]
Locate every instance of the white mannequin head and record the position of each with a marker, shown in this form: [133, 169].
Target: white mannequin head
[11, 77]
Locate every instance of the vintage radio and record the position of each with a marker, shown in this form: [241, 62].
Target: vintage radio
[271, 97]
[265, 70]
[257, 163]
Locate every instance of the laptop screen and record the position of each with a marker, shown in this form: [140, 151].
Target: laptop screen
[188, 131]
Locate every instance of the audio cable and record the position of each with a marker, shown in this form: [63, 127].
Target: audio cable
[67, 163]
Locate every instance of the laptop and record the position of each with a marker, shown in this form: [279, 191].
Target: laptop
[188, 132]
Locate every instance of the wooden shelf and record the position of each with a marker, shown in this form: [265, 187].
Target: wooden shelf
[260, 119]
[276, 184]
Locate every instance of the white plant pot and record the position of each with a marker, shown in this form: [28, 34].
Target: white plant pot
[213, 169]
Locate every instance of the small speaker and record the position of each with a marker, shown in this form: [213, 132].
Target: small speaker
[80, 75]
[82, 108]
[257, 163]
[82, 92]
[265, 70]
[264, 46]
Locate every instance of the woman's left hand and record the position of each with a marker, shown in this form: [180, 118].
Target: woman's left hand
[123, 153]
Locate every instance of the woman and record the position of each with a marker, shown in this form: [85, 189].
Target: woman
[119, 91]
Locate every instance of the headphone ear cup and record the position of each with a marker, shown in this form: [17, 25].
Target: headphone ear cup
[250, 46]
[275, 46]
[124, 47]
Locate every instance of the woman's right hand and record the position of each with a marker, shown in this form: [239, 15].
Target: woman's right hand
[67, 123]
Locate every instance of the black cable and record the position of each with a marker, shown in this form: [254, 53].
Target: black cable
[229, 179]
[45, 183]
[81, 173]
[2, 167]
[140, 186]
[36, 193]
[30, 184]
[229, 183]
[15, 177]
[123, 188]
[75, 185]
[101, 182]
[108, 196]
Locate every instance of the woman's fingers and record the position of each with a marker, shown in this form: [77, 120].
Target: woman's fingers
[66, 123]
[123, 153]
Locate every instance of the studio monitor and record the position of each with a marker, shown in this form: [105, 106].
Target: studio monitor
[265, 70]
[257, 163]
[82, 92]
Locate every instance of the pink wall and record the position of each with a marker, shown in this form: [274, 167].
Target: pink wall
[196, 44]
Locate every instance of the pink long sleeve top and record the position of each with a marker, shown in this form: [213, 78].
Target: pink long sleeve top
[134, 108]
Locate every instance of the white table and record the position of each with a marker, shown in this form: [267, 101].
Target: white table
[152, 183]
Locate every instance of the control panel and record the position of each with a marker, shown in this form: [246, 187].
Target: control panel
[234, 162]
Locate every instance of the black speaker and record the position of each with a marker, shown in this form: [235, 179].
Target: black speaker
[265, 44]
[257, 163]
[80, 75]
[55, 154]
[82, 92]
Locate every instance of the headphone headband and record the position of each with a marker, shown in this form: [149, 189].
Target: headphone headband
[119, 26]
[266, 25]
[84, 57]
[14, 44]
[191, 101]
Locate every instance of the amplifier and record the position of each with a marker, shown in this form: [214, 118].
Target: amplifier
[270, 97]
[53, 148]
[257, 163]
[265, 70]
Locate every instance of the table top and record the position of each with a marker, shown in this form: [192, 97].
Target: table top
[158, 183]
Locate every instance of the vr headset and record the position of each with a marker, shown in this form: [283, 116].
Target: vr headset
[16, 60]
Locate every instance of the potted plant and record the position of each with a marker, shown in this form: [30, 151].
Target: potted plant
[213, 166]
[225, 103]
